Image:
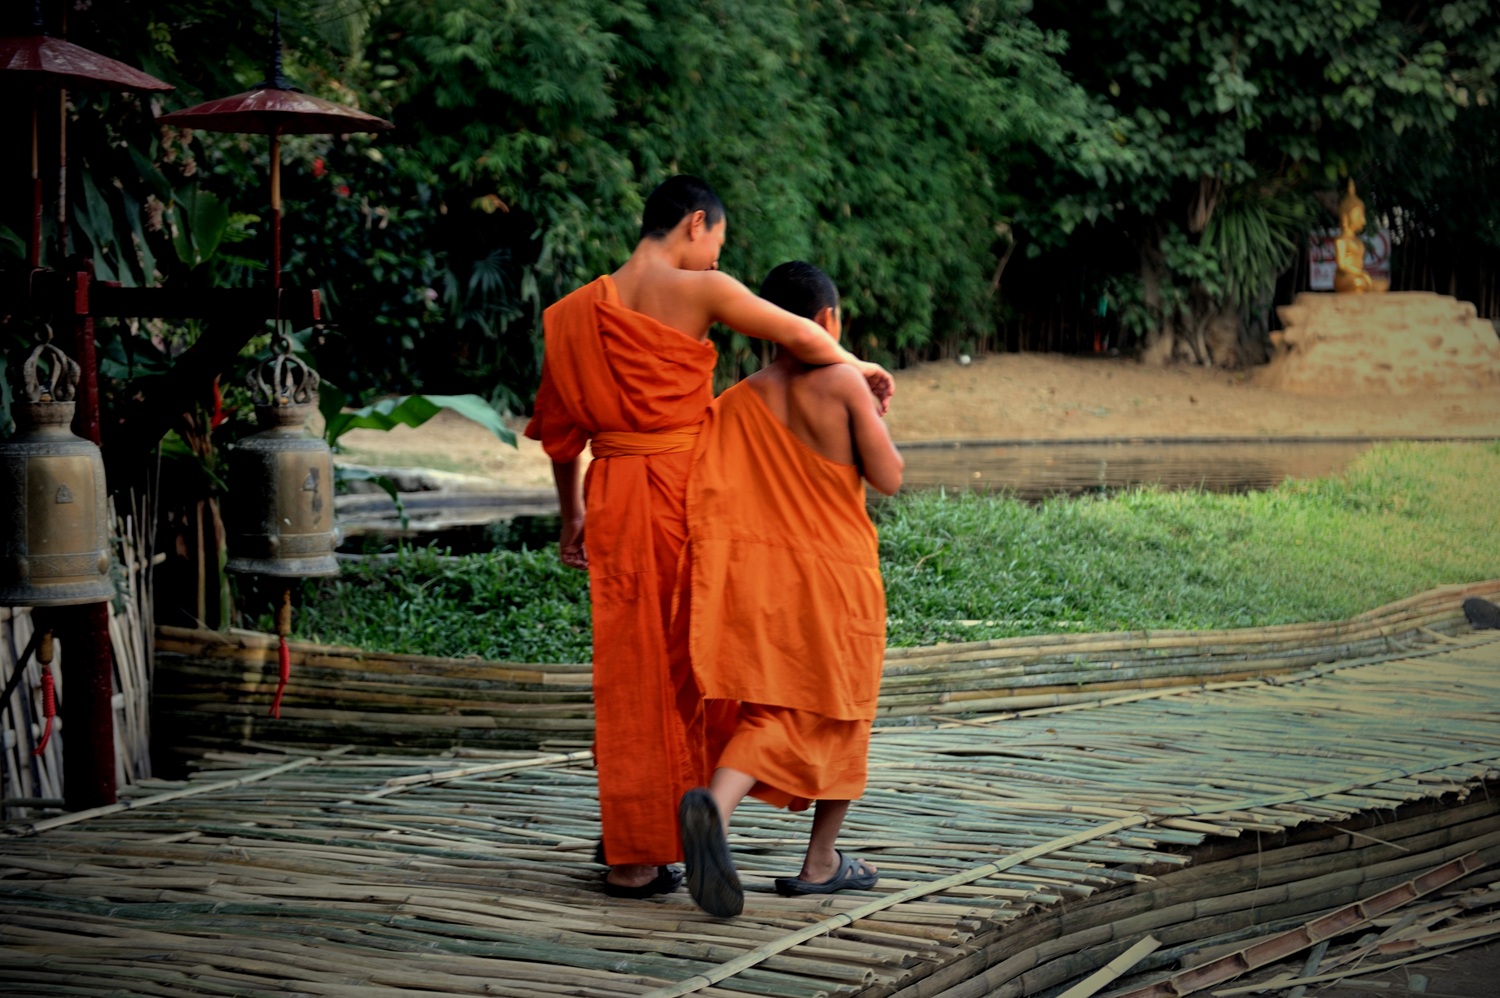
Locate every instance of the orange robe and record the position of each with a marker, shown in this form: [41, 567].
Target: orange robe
[638, 389]
[787, 605]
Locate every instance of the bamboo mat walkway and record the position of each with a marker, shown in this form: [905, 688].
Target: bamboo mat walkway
[356, 874]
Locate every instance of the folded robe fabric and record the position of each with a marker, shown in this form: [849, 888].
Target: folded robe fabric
[627, 379]
[787, 608]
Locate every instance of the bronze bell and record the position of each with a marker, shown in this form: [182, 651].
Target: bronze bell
[54, 545]
[280, 508]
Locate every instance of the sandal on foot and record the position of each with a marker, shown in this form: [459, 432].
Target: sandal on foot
[711, 877]
[668, 879]
[845, 878]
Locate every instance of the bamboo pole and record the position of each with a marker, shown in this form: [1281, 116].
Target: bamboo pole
[423, 710]
[37, 827]
[1112, 970]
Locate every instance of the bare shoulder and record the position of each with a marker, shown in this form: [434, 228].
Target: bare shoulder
[708, 285]
[842, 380]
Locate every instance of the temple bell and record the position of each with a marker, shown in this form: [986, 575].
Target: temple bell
[280, 520]
[54, 547]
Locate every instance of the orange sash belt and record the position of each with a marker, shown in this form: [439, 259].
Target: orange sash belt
[623, 443]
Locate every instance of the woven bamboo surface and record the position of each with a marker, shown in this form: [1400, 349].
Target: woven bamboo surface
[211, 689]
[357, 874]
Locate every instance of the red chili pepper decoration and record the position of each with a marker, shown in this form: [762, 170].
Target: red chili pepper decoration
[286, 674]
[283, 628]
[217, 419]
[49, 709]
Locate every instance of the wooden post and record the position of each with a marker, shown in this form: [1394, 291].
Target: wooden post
[89, 742]
[276, 206]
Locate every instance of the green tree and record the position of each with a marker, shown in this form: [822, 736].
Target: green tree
[1239, 112]
[877, 138]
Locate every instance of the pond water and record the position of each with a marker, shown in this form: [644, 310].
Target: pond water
[1035, 470]
[1028, 470]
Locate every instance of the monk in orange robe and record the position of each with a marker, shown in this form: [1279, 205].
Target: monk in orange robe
[628, 370]
[787, 607]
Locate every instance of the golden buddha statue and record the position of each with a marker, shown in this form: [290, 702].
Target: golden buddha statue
[1349, 248]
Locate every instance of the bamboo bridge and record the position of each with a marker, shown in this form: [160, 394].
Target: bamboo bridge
[1020, 851]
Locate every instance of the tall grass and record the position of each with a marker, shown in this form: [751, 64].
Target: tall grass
[516, 606]
[1403, 518]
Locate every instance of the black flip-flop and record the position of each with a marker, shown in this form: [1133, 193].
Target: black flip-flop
[843, 879]
[668, 879]
[711, 877]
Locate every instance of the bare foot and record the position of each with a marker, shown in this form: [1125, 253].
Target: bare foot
[631, 875]
[823, 867]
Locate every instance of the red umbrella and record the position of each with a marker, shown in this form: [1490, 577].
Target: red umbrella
[53, 62]
[275, 107]
[270, 110]
[43, 60]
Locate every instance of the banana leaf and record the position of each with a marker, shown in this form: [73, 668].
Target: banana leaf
[406, 410]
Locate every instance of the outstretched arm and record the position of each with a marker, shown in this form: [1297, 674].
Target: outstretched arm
[737, 307]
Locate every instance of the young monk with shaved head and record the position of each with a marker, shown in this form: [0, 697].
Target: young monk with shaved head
[787, 608]
[628, 372]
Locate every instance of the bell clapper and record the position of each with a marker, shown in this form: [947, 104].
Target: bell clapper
[44, 652]
[284, 654]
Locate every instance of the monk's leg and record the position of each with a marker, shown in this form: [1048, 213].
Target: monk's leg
[703, 818]
[822, 860]
[728, 788]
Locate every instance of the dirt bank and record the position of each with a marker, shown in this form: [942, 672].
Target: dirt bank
[1025, 396]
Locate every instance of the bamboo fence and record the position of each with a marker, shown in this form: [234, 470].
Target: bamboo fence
[1014, 857]
[213, 688]
[29, 781]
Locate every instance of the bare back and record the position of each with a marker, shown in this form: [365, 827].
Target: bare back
[667, 294]
[807, 403]
[831, 410]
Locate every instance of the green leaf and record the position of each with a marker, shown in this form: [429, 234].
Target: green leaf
[92, 216]
[151, 175]
[331, 403]
[414, 410]
[11, 244]
[140, 245]
[202, 219]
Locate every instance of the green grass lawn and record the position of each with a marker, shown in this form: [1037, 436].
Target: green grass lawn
[1403, 518]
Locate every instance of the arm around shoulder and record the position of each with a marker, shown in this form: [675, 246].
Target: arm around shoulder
[739, 308]
[736, 306]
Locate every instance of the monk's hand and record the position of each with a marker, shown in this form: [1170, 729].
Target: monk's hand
[882, 385]
[570, 545]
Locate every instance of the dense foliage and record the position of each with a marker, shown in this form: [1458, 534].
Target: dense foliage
[963, 568]
[1171, 152]
[1235, 114]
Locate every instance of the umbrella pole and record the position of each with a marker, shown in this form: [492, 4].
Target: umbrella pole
[276, 207]
[62, 174]
[36, 186]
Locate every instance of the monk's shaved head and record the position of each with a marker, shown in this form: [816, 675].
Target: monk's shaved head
[801, 289]
[674, 200]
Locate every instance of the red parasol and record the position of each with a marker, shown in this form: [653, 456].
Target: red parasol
[270, 110]
[43, 60]
[53, 62]
[275, 107]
